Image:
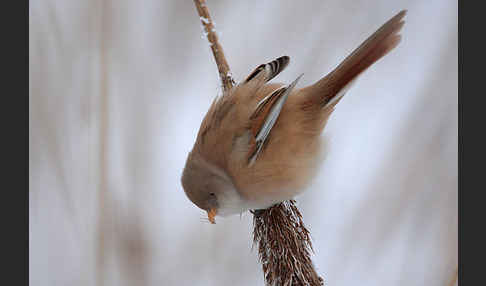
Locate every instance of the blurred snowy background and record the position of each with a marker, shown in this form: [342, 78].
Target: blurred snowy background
[118, 90]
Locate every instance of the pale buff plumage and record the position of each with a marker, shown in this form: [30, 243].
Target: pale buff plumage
[229, 170]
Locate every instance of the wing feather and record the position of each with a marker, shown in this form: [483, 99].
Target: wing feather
[272, 69]
[265, 115]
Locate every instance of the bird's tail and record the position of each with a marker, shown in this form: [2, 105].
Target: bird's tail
[329, 90]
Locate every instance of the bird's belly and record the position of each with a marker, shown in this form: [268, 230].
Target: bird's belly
[262, 194]
[283, 177]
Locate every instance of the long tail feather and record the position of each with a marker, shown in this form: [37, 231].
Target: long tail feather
[384, 40]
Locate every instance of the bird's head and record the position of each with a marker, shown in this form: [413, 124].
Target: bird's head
[207, 186]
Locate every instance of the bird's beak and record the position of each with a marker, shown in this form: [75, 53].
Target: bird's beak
[211, 215]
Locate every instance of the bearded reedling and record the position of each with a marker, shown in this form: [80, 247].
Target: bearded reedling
[259, 142]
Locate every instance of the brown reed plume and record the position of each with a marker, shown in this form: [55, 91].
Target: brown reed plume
[284, 246]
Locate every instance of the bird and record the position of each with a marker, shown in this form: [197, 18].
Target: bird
[259, 144]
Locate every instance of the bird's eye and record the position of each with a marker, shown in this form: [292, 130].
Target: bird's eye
[212, 194]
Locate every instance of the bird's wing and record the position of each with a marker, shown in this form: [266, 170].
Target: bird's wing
[264, 117]
[272, 69]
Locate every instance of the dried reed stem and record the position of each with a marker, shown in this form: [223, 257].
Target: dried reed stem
[223, 67]
[284, 243]
[103, 210]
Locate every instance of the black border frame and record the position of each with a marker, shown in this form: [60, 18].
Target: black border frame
[15, 106]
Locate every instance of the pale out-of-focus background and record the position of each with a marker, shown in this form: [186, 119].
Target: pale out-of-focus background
[118, 90]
